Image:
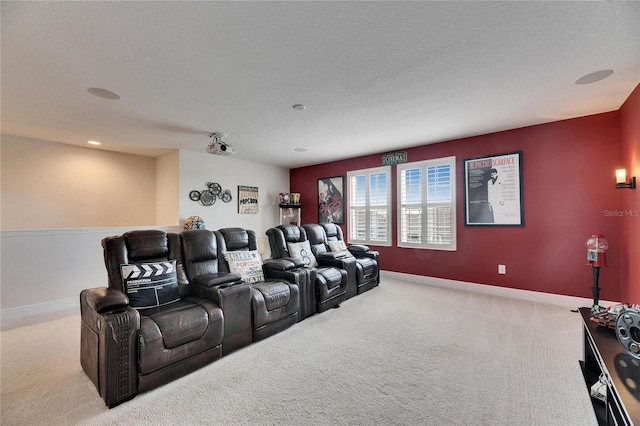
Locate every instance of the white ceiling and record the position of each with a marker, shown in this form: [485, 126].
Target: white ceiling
[374, 76]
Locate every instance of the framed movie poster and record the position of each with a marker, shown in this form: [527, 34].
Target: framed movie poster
[247, 199]
[331, 199]
[493, 190]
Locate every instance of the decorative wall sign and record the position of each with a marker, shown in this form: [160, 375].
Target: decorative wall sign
[247, 199]
[331, 199]
[394, 158]
[493, 190]
[208, 196]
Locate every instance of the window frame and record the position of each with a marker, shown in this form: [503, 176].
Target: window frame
[424, 203]
[351, 208]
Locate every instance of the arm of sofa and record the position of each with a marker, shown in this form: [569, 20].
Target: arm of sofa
[288, 269]
[108, 343]
[338, 259]
[282, 264]
[211, 286]
[360, 251]
[104, 300]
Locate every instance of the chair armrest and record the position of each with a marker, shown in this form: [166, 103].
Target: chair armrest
[331, 256]
[296, 276]
[108, 343]
[360, 251]
[211, 286]
[216, 279]
[282, 264]
[287, 268]
[104, 300]
[358, 248]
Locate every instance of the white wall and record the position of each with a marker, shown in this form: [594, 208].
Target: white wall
[43, 270]
[196, 169]
[47, 185]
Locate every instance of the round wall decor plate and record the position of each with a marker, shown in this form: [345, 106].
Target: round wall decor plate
[207, 198]
[214, 187]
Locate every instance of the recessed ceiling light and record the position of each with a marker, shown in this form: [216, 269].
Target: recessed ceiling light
[300, 149]
[594, 76]
[299, 107]
[93, 143]
[103, 93]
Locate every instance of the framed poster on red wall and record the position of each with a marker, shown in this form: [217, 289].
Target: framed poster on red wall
[493, 190]
[331, 199]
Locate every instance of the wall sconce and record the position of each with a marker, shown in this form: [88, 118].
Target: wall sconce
[621, 180]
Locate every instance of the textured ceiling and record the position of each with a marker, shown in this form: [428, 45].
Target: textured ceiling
[374, 76]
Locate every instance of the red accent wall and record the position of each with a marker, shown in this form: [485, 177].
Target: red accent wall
[568, 190]
[630, 200]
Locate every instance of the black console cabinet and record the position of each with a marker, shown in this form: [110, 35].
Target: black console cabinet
[604, 354]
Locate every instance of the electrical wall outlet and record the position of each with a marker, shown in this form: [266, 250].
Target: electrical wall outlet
[502, 269]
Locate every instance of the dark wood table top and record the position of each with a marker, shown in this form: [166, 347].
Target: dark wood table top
[622, 368]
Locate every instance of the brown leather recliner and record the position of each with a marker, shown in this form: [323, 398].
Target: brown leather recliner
[367, 268]
[201, 264]
[149, 326]
[275, 299]
[330, 287]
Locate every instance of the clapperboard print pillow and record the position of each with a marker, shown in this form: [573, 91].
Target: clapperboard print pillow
[149, 285]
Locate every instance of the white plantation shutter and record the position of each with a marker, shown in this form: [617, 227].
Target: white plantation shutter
[369, 206]
[410, 205]
[426, 204]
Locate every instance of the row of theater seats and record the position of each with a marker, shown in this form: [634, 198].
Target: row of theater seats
[176, 302]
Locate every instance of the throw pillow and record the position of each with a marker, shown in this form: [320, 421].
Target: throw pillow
[247, 264]
[339, 246]
[302, 251]
[150, 285]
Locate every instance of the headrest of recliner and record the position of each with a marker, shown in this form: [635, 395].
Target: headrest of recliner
[235, 238]
[315, 233]
[331, 229]
[293, 233]
[146, 244]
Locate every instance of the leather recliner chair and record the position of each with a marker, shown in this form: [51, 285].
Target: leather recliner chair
[368, 260]
[364, 274]
[201, 264]
[330, 287]
[275, 301]
[140, 333]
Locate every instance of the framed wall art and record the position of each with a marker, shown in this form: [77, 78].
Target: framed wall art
[247, 199]
[493, 190]
[331, 199]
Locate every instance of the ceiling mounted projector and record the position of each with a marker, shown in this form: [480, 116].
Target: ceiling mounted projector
[218, 145]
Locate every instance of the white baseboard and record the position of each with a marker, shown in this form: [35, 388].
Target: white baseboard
[40, 310]
[570, 302]
[72, 305]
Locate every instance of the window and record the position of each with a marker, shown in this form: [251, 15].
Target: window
[427, 204]
[369, 194]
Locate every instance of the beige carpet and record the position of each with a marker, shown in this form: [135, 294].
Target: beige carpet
[400, 354]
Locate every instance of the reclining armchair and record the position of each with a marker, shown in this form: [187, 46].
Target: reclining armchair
[148, 326]
[328, 238]
[229, 291]
[330, 287]
[275, 301]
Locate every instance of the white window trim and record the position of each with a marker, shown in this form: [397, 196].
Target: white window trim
[451, 161]
[367, 173]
